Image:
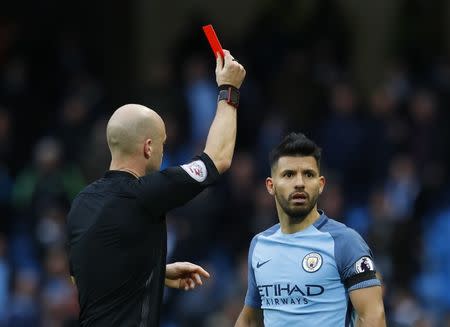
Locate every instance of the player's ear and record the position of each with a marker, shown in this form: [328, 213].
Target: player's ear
[147, 148]
[322, 182]
[269, 186]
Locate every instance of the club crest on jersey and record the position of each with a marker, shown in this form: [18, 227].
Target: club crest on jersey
[196, 169]
[312, 262]
[364, 264]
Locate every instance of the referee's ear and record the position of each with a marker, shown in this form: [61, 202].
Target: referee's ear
[269, 186]
[148, 148]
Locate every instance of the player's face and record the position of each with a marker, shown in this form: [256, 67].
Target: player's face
[296, 184]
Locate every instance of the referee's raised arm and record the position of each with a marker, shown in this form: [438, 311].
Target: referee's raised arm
[222, 134]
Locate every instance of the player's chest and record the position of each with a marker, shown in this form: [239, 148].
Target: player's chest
[294, 265]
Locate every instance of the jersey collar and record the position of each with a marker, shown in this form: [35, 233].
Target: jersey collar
[322, 220]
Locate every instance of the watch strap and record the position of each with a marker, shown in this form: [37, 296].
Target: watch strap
[230, 94]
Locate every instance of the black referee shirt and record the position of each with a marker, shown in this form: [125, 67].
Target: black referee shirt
[117, 241]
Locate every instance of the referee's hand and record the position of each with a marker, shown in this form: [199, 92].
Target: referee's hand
[229, 71]
[184, 275]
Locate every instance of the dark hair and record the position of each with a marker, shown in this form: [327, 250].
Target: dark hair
[295, 145]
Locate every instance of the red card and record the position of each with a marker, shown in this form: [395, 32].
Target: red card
[213, 40]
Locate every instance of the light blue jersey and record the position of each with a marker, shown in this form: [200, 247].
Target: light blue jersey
[304, 278]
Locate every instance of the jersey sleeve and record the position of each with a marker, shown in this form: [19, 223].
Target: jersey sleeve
[355, 261]
[164, 190]
[252, 298]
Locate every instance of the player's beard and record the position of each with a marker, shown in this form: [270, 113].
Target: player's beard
[297, 213]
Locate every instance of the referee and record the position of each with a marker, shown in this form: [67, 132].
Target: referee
[116, 225]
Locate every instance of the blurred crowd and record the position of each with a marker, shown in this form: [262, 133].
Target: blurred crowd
[385, 156]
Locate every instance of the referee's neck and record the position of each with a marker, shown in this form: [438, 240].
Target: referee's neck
[132, 167]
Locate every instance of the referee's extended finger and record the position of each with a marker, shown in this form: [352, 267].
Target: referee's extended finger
[202, 272]
[193, 268]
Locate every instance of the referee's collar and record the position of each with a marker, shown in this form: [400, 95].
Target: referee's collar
[118, 173]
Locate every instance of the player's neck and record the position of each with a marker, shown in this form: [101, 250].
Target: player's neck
[128, 166]
[290, 225]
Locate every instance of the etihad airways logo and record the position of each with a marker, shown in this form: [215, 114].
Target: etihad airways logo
[288, 294]
[287, 289]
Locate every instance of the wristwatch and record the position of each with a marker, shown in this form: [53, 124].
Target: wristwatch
[230, 94]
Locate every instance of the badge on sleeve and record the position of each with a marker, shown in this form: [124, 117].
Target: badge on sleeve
[364, 264]
[196, 169]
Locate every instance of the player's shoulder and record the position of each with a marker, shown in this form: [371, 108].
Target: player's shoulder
[266, 233]
[339, 231]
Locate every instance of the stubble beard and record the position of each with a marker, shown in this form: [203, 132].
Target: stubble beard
[297, 214]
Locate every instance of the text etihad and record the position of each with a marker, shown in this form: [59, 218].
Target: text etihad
[288, 289]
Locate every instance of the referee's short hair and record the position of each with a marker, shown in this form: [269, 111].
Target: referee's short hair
[295, 145]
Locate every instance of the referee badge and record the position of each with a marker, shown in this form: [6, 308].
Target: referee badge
[197, 170]
[312, 262]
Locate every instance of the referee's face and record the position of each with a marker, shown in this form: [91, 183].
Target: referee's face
[296, 184]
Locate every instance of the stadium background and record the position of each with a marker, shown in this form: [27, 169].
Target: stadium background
[369, 81]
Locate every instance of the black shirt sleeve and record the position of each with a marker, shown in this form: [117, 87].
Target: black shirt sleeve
[164, 190]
